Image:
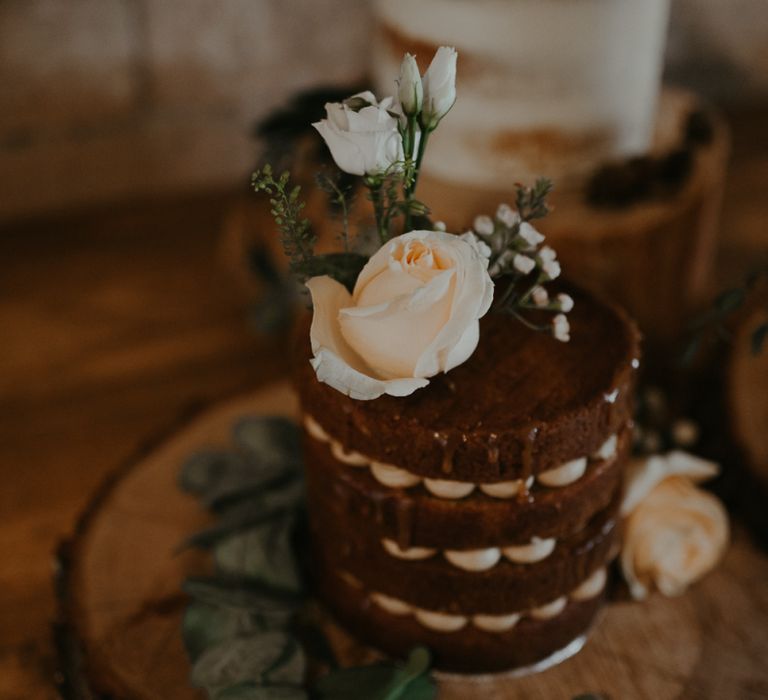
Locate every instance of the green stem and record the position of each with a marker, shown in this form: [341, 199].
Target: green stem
[378, 210]
[419, 157]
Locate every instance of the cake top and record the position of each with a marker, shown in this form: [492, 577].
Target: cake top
[521, 404]
[386, 321]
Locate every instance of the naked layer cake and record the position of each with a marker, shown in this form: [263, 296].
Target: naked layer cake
[477, 515]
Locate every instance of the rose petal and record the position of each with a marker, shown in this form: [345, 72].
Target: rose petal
[334, 362]
[644, 474]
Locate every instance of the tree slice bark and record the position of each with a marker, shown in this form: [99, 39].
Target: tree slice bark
[121, 602]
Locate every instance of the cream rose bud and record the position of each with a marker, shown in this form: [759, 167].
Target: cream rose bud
[439, 84]
[414, 313]
[674, 532]
[362, 134]
[675, 536]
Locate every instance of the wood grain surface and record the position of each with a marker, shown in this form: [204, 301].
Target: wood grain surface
[124, 607]
[116, 320]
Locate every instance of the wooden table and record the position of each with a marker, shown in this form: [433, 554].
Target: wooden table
[117, 322]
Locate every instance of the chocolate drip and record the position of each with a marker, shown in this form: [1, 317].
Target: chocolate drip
[527, 462]
[493, 451]
[448, 443]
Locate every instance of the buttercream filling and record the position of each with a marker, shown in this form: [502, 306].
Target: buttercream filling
[477, 559]
[395, 477]
[450, 622]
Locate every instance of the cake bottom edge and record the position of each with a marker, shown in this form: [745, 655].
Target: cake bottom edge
[530, 646]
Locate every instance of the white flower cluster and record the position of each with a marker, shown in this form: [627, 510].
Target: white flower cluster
[516, 252]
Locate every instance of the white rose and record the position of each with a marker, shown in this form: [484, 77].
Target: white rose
[439, 86]
[674, 532]
[414, 312]
[362, 141]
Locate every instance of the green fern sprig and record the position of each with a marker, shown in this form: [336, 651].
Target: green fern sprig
[296, 233]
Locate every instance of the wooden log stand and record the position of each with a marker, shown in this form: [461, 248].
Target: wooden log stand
[119, 583]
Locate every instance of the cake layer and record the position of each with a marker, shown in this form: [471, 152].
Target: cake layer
[396, 477]
[458, 645]
[415, 518]
[434, 583]
[523, 403]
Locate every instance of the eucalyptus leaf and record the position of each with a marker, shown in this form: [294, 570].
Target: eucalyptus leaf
[264, 553]
[243, 514]
[269, 440]
[254, 691]
[265, 491]
[203, 470]
[356, 683]
[250, 596]
[206, 625]
[382, 681]
[419, 688]
[236, 660]
[289, 668]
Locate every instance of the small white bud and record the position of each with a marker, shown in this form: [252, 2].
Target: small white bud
[439, 226]
[685, 432]
[409, 89]
[551, 269]
[549, 264]
[483, 225]
[507, 215]
[561, 329]
[524, 264]
[565, 301]
[530, 235]
[540, 296]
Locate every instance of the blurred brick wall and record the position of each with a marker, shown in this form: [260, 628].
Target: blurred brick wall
[103, 99]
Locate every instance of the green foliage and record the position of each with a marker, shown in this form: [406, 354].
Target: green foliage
[713, 323]
[264, 553]
[242, 625]
[381, 681]
[531, 202]
[253, 691]
[297, 236]
[269, 658]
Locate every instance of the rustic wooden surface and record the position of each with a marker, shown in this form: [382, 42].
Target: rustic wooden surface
[116, 321]
[124, 605]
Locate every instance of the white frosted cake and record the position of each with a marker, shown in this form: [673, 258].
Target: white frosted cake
[549, 87]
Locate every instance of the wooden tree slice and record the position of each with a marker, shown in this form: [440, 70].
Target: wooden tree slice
[122, 602]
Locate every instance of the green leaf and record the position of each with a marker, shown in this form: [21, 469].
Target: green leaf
[250, 596]
[270, 440]
[382, 681]
[758, 338]
[246, 509]
[253, 691]
[206, 625]
[264, 553]
[203, 470]
[289, 668]
[237, 660]
[356, 683]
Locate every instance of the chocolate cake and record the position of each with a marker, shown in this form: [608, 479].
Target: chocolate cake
[476, 516]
